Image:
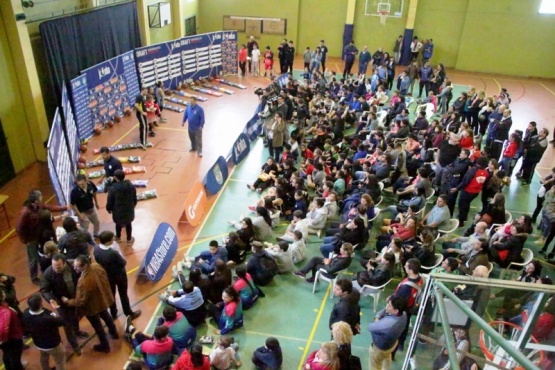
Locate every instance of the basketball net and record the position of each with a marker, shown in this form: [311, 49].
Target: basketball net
[383, 16]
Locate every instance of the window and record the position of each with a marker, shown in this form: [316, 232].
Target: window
[191, 26]
[547, 7]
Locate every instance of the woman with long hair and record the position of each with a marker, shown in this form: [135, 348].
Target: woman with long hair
[46, 233]
[342, 335]
[246, 288]
[510, 249]
[326, 358]
[193, 359]
[462, 343]
[262, 224]
[228, 314]
[219, 280]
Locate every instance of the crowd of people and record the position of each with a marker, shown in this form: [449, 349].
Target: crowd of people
[337, 147]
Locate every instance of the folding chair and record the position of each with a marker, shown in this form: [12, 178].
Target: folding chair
[374, 292]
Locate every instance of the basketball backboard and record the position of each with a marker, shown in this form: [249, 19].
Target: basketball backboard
[393, 8]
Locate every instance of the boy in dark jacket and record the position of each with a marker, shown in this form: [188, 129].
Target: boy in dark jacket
[268, 357]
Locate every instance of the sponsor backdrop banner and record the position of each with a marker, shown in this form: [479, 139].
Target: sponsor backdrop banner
[216, 176]
[195, 205]
[189, 57]
[70, 129]
[59, 163]
[160, 254]
[240, 148]
[80, 97]
[112, 86]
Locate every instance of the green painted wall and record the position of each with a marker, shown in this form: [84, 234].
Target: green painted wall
[322, 19]
[188, 9]
[14, 120]
[442, 21]
[507, 37]
[211, 13]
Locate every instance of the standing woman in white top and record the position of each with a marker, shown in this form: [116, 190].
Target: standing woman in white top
[255, 65]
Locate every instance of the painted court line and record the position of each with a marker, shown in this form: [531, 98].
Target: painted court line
[314, 327]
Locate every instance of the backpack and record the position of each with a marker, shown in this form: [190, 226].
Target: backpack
[414, 301]
[269, 264]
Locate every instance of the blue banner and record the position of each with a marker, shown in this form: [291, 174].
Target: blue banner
[190, 57]
[161, 252]
[59, 162]
[254, 128]
[71, 129]
[216, 176]
[80, 98]
[240, 149]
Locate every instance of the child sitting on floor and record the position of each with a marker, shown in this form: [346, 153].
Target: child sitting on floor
[224, 354]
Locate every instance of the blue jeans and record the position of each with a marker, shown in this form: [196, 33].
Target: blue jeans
[328, 245]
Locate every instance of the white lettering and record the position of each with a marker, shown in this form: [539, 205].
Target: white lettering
[142, 53]
[240, 147]
[161, 251]
[191, 211]
[103, 71]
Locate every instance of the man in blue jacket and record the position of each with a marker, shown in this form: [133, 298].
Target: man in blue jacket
[195, 114]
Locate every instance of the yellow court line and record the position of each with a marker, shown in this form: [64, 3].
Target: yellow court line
[121, 138]
[238, 180]
[172, 129]
[547, 88]
[314, 327]
[498, 85]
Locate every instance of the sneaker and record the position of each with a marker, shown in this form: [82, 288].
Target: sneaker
[174, 272]
[300, 274]
[114, 335]
[114, 315]
[143, 147]
[191, 150]
[200, 154]
[128, 323]
[250, 187]
[188, 265]
[550, 256]
[179, 267]
[163, 297]
[252, 208]
[259, 190]
[101, 348]
[310, 280]
[156, 124]
[131, 241]
[151, 134]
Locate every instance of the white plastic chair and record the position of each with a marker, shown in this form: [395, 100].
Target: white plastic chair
[381, 115]
[431, 195]
[508, 219]
[320, 275]
[453, 225]
[381, 185]
[490, 267]
[527, 257]
[376, 214]
[374, 292]
[383, 100]
[439, 260]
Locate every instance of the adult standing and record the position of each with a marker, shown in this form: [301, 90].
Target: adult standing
[415, 47]
[398, 49]
[122, 199]
[532, 155]
[290, 57]
[282, 56]
[11, 336]
[140, 110]
[349, 53]
[27, 228]
[324, 53]
[43, 325]
[363, 60]
[385, 330]
[60, 280]
[114, 264]
[428, 50]
[347, 308]
[426, 73]
[111, 165]
[74, 242]
[195, 114]
[471, 186]
[159, 98]
[84, 203]
[268, 61]
[93, 298]
[250, 47]
[276, 135]
[242, 58]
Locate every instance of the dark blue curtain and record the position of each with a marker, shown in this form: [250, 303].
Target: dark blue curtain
[407, 41]
[348, 31]
[80, 41]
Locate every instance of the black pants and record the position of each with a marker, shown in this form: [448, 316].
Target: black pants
[71, 324]
[282, 66]
[313, 265]
[128, 230]
[275, 152]
[539, 205]
[423, 85]
[527, 169]
[348, 67]
[451, 201]
[464, 204]
[11, 354]
[323, 66]
[99, 330]
[120, 282]
[495, 149]
[143, 127]
[289, 66]
[549, 239]
[243, 66]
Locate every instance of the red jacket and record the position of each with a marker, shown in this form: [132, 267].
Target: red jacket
[511, 150]
[184, 363]
[27, 226]
[10, 324]
[243, 55]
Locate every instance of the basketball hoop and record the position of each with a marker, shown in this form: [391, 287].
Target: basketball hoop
[383, 16]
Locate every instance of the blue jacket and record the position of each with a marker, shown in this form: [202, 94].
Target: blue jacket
[265, 359]
[386, 331]
[195, 115]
